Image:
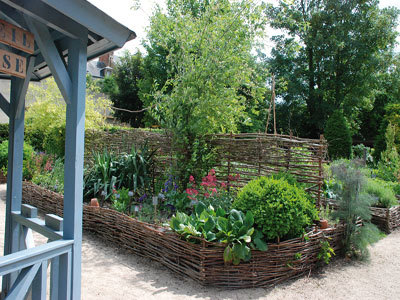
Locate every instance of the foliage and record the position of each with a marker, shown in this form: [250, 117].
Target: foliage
[4, 132]
[127, 170]
[211, 191]
[28, 154]
[280, 210]
[354, 205]
[337, 133]
[325, 213]
[50, 175]
[173, 199]
[54, 140]
[361, 151]
[46, 114]
[326, 252]
[121, 200]
[205, 71]
[122, 87]
[320, 67]
[133, 170]
[100, 180]
[235, 229]
[389, 165]
[391, 119]
[288, 177]
[382, 191]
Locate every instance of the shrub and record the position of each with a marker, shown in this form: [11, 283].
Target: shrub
[4, 132]
[280, 210]
[381, 190]
[354, 205]
[337, 133]
[54, 141]
[27, 171]
[389, 165]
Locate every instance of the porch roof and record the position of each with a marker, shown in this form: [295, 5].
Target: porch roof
[65, 19]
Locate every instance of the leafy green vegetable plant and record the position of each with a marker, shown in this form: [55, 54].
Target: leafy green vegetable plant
[235, 229]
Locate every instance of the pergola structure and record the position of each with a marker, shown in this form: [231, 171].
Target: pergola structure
[66, 34]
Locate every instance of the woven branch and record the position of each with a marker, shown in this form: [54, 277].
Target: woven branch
[202, 262]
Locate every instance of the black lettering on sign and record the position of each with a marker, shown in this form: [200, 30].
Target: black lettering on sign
[6, 61]
[16, 37]
[12, 64]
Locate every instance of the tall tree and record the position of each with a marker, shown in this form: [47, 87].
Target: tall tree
[122, 87]
[336, 49]
[209, 60]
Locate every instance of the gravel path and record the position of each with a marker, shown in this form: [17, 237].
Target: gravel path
[109, 273]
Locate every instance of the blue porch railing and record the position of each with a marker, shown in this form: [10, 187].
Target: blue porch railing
[26, 271]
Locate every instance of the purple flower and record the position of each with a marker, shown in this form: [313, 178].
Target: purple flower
[142, 198]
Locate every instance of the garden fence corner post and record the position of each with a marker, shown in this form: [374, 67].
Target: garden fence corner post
[74, 153]
[320, 171]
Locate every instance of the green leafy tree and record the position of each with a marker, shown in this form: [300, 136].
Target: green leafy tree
[45, 116]
[209, 60]
[330, 55]
[337, 133]
[123, 89]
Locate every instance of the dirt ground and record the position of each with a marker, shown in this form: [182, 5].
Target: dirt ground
[110, 273]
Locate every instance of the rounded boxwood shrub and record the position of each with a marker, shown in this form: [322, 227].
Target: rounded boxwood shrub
[337, 133]
[280, 210]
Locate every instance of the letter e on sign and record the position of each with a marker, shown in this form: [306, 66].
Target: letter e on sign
[12, 64]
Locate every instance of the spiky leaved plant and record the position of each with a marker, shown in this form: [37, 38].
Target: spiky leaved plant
[354, 205]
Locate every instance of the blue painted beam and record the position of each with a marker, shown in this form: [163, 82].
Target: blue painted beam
[47, 15]
[94, 19]
[37, 225]
[52, 57]
[24, 87]
[23, 282]
[25, 258]
[39, 284]
[74, 151]
[4, 105]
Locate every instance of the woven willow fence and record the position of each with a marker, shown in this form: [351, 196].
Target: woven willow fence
[250, 155]
[202, 262]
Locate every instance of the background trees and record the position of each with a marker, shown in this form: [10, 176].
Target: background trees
[330, 56]
[202, 72]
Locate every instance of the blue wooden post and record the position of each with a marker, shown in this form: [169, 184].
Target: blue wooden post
[14, 176]
[74, 151]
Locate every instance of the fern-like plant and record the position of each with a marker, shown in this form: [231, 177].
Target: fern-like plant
[354, 205]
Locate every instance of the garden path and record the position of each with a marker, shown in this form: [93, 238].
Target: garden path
[110, 273]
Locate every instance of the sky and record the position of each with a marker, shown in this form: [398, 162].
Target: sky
[138, 20]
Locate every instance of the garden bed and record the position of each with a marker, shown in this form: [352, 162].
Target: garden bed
[387, 219]
[202, 262]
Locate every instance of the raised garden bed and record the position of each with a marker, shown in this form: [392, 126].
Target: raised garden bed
[202, 262]
[387, 219]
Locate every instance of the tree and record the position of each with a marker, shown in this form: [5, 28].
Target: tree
[337, 134]
[46, 115]
[122, 87]
[332, 52]
[208, 62]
